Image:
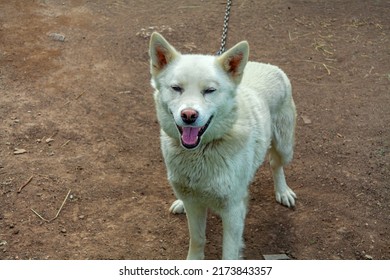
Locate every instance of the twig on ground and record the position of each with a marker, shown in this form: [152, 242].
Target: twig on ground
[42, 218]
[76, 98]
[81, 94]
[298, 36]
[189, 7]
[66, 143]
[25, 184]
[289, 36]
[54, 135]
[58, 213]
[369, 72]
[326, 67]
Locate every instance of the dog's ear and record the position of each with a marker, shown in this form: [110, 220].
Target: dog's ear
[161, 53]
[233, 61]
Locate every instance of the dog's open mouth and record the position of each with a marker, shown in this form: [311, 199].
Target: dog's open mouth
[191, 135]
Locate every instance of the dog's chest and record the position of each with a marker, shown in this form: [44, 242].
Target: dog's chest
[197, 170]
[210, 175]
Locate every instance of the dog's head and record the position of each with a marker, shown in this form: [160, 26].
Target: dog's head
[195, 94]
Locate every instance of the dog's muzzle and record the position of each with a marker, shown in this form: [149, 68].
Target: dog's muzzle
[190, 136]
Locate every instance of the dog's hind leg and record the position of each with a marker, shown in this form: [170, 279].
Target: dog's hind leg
[281, 152]
[283, 193]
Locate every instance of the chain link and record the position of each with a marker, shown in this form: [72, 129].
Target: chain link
[225, 27]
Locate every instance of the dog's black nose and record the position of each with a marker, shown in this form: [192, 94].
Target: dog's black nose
[189, 116]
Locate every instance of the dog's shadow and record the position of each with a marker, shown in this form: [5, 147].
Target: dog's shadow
[269, 227]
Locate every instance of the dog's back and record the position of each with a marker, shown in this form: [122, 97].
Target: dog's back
[269, 81]
[273, 85]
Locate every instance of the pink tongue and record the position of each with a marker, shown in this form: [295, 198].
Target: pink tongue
[190, 135]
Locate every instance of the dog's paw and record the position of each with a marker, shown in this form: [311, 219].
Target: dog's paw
[286, 197]
[177, 207]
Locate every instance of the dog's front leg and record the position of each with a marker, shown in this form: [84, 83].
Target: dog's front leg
[196, 217]
[233, 219]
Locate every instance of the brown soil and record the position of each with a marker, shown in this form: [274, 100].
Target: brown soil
[81, 107]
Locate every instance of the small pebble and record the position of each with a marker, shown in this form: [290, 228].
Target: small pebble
[18, 151]
[57, 37]
[276, 257]
[306, 119]
[368, 257]
[342, 230]
[63, 230]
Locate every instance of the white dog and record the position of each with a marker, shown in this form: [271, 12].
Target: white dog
[219, 118]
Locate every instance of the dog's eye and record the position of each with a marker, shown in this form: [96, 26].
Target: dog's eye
[177, 89]
[209, 90]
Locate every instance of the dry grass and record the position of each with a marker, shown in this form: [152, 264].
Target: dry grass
[323, 46]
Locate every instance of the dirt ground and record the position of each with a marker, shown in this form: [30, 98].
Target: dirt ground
[77, 115]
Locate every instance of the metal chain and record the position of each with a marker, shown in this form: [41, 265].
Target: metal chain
[225, 27]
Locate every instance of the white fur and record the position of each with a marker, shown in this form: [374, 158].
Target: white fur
[253, 114]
